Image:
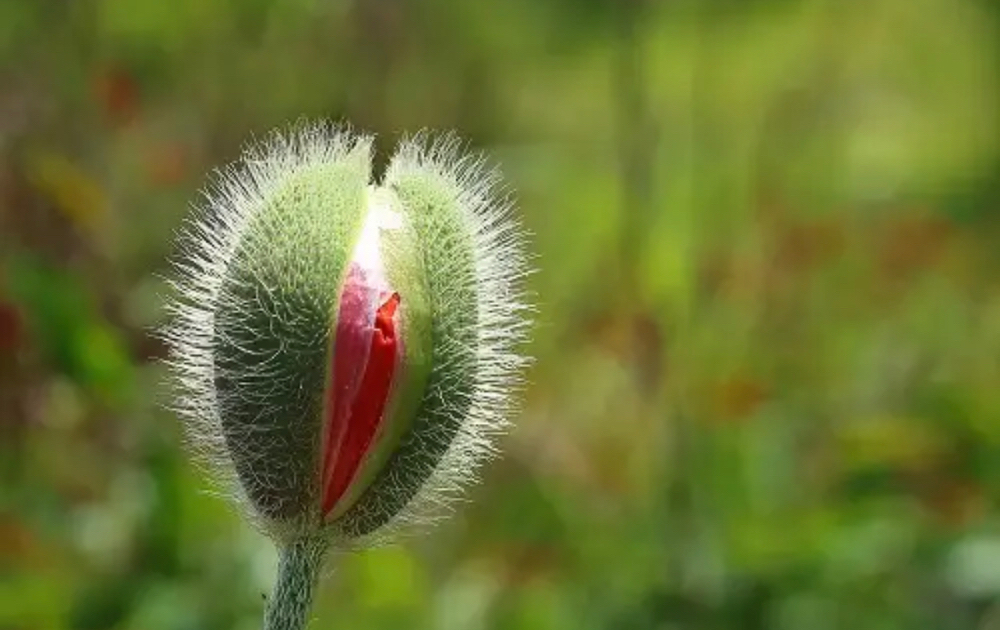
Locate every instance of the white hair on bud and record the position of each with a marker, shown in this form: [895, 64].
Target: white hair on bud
[476, 390]
[498, 242]
[207, 244]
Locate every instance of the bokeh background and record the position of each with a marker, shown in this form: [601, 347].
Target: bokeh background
[768, 342]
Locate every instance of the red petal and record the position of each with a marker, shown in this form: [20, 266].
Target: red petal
[354, 416]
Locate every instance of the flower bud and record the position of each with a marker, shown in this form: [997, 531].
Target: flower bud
[344, 352]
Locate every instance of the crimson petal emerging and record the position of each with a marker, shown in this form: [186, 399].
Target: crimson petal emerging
[366, 354]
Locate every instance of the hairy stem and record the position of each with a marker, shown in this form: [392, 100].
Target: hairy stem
[299, 564]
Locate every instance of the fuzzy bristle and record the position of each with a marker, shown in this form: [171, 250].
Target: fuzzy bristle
[254, 288]
[473, 256]
[257, 279]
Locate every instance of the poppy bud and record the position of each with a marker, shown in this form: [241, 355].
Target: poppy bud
[344, 352]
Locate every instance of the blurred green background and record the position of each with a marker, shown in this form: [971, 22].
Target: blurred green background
[766, 393]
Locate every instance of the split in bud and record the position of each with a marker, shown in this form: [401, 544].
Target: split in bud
[345, 351]
[367, 351]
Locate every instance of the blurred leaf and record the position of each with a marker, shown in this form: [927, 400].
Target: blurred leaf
[894, 441]
[102, 603]
[118, 94]
[63, 323]
[73, 192]
[10, 327]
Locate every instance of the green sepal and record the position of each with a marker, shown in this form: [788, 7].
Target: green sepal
[438, 268]
[272, 330]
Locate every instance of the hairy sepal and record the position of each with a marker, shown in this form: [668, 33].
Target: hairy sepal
[460, 254]
[258, 284]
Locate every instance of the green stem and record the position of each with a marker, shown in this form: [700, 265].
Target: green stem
[299, 565]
